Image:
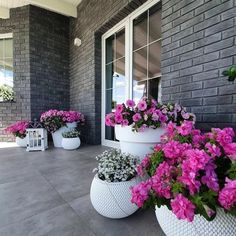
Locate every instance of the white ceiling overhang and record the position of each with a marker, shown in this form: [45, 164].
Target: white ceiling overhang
[64, 7]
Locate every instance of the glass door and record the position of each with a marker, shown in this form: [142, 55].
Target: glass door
[115, 75]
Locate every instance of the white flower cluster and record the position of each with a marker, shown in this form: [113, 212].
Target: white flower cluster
[114, 166]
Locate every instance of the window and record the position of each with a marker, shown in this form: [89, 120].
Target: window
[6, 60]
[6, 67]
[146, 54]
[131, 61]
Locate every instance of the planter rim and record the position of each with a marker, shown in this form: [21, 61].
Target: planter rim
[130, 126]
[115, 183]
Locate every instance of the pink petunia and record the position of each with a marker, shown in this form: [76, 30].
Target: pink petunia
[136, 117]
[142, 105]
[183, 208]
[130, 103]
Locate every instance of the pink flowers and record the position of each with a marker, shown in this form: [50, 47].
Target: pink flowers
[227, 196]
[142, 105]
[183, 208]
[55, 119]
[191, 172]
[140, 193]
[18, 129]
[146, 114]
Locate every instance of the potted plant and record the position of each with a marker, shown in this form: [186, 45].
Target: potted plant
[192, 178]
[71, 140]
[57, 122]
[139, 127]
[18, 129]
[110, 189]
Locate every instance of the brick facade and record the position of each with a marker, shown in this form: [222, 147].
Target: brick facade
[94, 19]
[41, 64]
[199, 42]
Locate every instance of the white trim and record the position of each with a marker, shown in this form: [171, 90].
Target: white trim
[4, 12]
[128, 24]
[6, 36]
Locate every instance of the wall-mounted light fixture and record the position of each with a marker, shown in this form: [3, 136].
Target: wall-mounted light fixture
[77, 42]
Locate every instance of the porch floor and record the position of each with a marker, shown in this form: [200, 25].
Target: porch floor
[47, 193]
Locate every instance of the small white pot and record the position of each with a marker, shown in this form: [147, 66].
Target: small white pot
[138, 143]
[57, 136]
[70, 143]
[222, 225]
[113, 200]
[21, 142]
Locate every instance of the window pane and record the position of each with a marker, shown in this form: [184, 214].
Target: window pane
[120, 44]
[154, 23]
[8, 48]
[119, 75]
[110, 49]
[109, 75]
[140, 64]
[140, 31]
[139, 90]
[1, 48]
[153, 85]
[154, 60]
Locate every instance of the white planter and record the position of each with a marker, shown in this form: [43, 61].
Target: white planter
[113, 200]
[21, 142]
[222, 225]
[70, 143]
[138, 143]
[57, 136]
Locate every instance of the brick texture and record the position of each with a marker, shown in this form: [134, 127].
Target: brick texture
[204, 36]
[41, 64]
[94, 19]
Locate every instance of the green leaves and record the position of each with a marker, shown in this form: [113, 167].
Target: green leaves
[177, 187]
[156, 159]
[232, 171]
[230, 73]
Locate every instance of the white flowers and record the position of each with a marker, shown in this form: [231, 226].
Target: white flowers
[115, 166]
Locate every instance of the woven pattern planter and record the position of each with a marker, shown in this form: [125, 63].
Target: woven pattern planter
[113, 200]
[222, 225]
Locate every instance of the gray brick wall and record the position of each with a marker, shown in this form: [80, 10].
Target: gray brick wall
[94, 19]
[41, 64]
[199, 42]
[49, 61]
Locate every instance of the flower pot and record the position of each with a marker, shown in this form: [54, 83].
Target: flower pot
[223, 225]
[70, 143]
[138, 143]
[21, 142]
[57, 135]
[113, 200]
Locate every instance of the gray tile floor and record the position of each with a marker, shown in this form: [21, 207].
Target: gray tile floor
[47, 193]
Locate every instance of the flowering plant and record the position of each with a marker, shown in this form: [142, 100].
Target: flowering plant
[191, 173]
[55, 119]
[18, 129]
[147, 113]
[114, 166]
[71, 134]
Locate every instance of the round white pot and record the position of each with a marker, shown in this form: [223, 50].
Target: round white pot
[21, 142]
[222, 225]
[57, 136]
[113, 200]
[138, 143]
[70, 143]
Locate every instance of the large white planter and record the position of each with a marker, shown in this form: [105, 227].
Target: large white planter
[138, 143]
[57, 136]
[222, 225]
[113, 200]
[21, 142]
[70, 143]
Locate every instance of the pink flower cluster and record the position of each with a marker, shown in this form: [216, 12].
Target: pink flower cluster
[55, 119]
[147, 113]
[227, 196]
[18, 129]
[187, 167]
